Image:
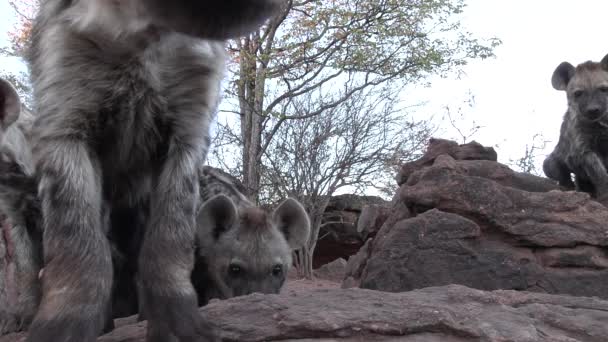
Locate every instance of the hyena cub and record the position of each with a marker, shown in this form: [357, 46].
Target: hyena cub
[582, 148]
[242, 248]
[124, 93]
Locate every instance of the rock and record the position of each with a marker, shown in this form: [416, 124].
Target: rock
[469, 151]
[438, 314]
[474, 224]
[333, 271]
[356, 265]
[338, 236]
[371, 219]
[350, 202]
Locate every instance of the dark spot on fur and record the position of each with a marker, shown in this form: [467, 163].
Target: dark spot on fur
[254, 218]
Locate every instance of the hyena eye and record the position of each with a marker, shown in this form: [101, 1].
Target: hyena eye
[277, 270]
[235, 270]
[578, 93]
[604, 89]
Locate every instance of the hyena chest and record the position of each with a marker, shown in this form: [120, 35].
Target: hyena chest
[596, 137]
[132, 139]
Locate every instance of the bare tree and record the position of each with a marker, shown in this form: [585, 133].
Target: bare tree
[529, 161]
[352, 147]
[348, 45]
[465, 128]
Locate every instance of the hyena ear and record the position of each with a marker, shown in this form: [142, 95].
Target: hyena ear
[604, 62]
[562, 75]
[292, 220]
[10, 105]
[213, 19]
[215, 217]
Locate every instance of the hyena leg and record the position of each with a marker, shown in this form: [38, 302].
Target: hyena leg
[167, 253]
[557, 170]
[594, 170]
[77, 278]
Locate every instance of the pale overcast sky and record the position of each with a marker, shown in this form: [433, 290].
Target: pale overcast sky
[513, 94]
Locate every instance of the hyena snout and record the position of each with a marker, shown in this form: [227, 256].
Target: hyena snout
[594, 109]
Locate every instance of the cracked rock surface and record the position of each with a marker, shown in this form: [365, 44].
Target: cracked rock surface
[451, 313]
[479, 224]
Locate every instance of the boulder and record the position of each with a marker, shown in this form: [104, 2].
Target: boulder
[436, 147]
[438, 314]
[339, 236]
[479, 224]
[333, 271]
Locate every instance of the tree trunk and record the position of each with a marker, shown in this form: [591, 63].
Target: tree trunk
[251, 86]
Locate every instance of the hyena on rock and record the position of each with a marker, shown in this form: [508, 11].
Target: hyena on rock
[124, 94]
[582, 148]
[240, 249]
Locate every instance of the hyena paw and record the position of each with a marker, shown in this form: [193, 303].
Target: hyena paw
[176, 319]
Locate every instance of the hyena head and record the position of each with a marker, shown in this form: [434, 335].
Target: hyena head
[219, 20]
[249, 250]
[586, 87]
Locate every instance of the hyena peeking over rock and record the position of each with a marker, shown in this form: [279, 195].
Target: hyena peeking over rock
[582, 148]
[124, 93]
[244, 248]
[240, 248]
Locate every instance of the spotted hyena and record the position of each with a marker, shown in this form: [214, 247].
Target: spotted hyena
[582, 148]
[240, 248]
[124, 93]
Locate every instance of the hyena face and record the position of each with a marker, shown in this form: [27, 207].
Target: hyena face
[586, 86]
[248, 250]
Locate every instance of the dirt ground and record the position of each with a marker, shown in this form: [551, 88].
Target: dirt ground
[293, 286]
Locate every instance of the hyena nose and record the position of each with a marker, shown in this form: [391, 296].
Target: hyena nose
[593, 112]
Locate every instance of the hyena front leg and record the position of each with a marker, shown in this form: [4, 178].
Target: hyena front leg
[77, 278]
[167, 253]
[594, 169]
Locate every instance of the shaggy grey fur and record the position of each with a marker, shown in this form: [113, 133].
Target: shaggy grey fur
[232, 232]
[125, 92]
[19, 286]
[582, 148]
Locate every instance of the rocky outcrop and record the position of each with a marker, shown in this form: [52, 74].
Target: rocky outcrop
[438, 147]
[333, 271]
[480, 224]
[438, 314]
[340, 237]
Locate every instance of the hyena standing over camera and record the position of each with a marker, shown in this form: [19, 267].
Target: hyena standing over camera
[240, 248]
[582, 148]
[125, 92]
